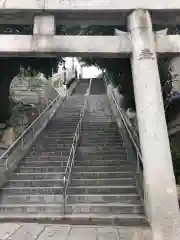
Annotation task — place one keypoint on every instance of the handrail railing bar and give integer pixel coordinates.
(72, 152)
(127, 128)
(28, 128)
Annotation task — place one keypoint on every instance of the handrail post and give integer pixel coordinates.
(64, 197)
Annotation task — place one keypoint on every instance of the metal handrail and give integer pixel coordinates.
(139, 159)
(71, 157)
(21, 137)
(126, 125)
(138, 152)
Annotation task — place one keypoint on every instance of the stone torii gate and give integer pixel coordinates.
(142, 46)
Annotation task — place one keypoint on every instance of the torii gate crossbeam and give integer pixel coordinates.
(87, 11)
(80, 46)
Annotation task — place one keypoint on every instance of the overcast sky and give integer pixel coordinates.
(88, 72)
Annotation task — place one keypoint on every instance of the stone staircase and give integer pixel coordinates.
(103, 185)
(35, 188)
(103, 182)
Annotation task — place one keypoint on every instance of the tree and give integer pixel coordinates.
(10, 67)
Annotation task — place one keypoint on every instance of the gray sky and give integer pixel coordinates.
(88, 72)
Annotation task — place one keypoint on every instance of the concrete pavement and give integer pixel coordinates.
(35, 231)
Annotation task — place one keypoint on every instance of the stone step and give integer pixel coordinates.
(79, 169)
(44, 158)
(59, 123)
(58, 135)
(57, 132)
(100, 134)
(98, 138)
(53, 145)
(122, 156)
(59, 119)
(78, 162)
(95, 127)
(39, 169)
(85, 153)
(110, 189)
(67, 115)
(101, 144)
(74, 182)
(129, 220)
(57, 199)
(48, 148)
(35, 183)
(100, 198)
(96, 149)
(109, 208)
(71, 190)
(97, 175)
(57, 140)
(105, 208)
(100, 130)
(66, 123)
(62, 138)
(102, 140)
(62, 128)
(42, 163)
(28, 199)
(102, 168)
(103, 163)
(36, 176)
(32, 190)
(50, 153)
(100, 124)
(75, 175)
(103, 182)
(31, 208)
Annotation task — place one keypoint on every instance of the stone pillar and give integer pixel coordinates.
(44, 25)
(159, 181)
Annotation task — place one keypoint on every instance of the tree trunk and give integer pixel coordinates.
(5, 108)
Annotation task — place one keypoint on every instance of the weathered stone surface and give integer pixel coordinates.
(109, 46)
(7, 229)
(92, 4)
(24, 4)
(55, 232)
(44, 25)
(104, 46)
(28, 231)
(34, 231)
(81, 233)
(87, 11)
(105, 233)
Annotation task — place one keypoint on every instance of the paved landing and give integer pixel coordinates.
(35, 231)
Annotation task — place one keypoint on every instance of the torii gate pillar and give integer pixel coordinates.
(159, 181)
